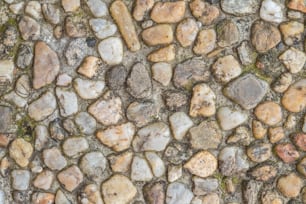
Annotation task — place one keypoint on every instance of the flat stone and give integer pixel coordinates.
(207, 135)
(153, 137)
(264, 173)
(271, 11)
(190, 72)
(14, 98)
(44, 180)
(121, 162)
(162, 72)
(123, 19)
(269, 113)
(204, 186)
(290, 185)
(186, 32)
(180, 124)
(293, 60)
(229, 119)
(204, 12)
(294, 98)
(141, 8)
(88, 89)
(298, 5)
(86, 123)
(29, 28)
(102, 28)
(70, 178)
(240, 7)
(276, 134)
(155, 192)
(178, 193)
(259, 152)
(51, 13)
(24, 56)
(54, 159)
(140, 170)
(156, 163)
(158, 35)
(247, 91)
(292, 32)
(164, 54)
(139, 83)
(206, 42)
(287, 152)
(93, 165)
(202, 164)
(71, 5)
(265, 36)
(232, 160)
(168, 12)
(228, 33)
(6, 117)
(118, 189)
(63, 80)
(119, 137)
(20, 179)
(91, 194)
(46, 65)
(97, 7)
(60, 197)
(111, 50)
(226, 68)
(107, 110)
(21, 151)
(89, 66)
(75, 146)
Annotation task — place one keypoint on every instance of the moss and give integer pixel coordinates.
(253, 69)
(25, 127)
(221, 180)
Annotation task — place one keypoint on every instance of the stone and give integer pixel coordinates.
(228, 33)
(142, 113)
(75, 26)
(246, 54)
(123, 19)
(141, 8)
(107, 110)
(304, 125)
(22, 87)
(204, 186)
(186, 32)
(14, 98)
(118, 138)
(287, 152)
(158, 35)
(290, 185)
(264, 173)
(241, 136)
(276, 134)
(118, 189)
(271, 10)
(75, 146)
(301, 166)
(4, 166)
(16, 7)
(29, 28)
(264, 36)
(89, 66)
(293, 60)
(68, 102)
(102, 28)
(93, 164)
(202, 164)
(153, 137)
(121, 162)
(111, 50)
(51, 13)
(71, 5)
(44, 180)
(229, 118)
(97, 7)
(259, 152)
(232, 160)
(6, 117)
(177, 153)
(154, 193)
(46, 65)
(58, 31)
(21, 151)
(4, 140)
(56, 129)
(206, 42)
(211, 198)
(175, 100)
(2, 197)
(174, 172)
(290, 121)
(156, 163)
(271, 197)
(41, 198)
(291, 32)
(240, 7)
(168, 12)
(88, 89)
(226, 68)
(246, 90)
(116, 77)
(139, 83)
(178, 193)
(269, 113)
(54, 159)
(63, 80)
(91, 194)
(299, 140)
(86, 123)
(204, 12)
(250, 191)
(140, 170)
(190, 72)
(283, 82)
(293, 99)
(24, 56)
(298, 5)
(60, 197)
(180, 124)
(70, 178)
(207, 135)
(164, 54)
(6, 71)
(20, 179)
(162, 72)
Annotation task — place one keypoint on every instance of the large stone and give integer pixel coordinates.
(247, 91)
(186, 32)
(68, 102)
(20, 179)
(228, 33)
(46, 65)
(71, 5)
(21, 151)
(91, 194)
(97, 7)
(158, 35)
(164, 54)
(88, 89)
(290, 185)
(229, 119)
(240, 7)
(111, 50)
(168, 12)
(180, 124)
(29, 28)
(293, 59)
(269, 113)
(271, 10)
(70, 178)
(93, 165)
(226, 68)
(178, 193)
(206, 42)
(142, 113)
(294, 99)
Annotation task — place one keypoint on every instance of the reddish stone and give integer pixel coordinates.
(300, 140)
(287, 152)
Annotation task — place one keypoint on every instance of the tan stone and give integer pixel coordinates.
(123, 19)
(42, 198)
(293, 59)
(298, 5)
(290, 185)
(168, 12)
(92, 195)
(141, 8)
(276, 134)
(4, 140)
(269, 113)
(226, 68)
(71, 5)
(21, 151)
(294, 99)
(204, 12)
(259, 130)
(292, 31)
(186, 31)
(158, 35)
(164, 54)
(206, 42)
(89, 66)
(70, 178)
(121, 162)
(44, 180)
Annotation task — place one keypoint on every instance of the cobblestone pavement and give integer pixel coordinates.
(148, 101)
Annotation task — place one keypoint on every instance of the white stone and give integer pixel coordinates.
(33, 9)
(93, 164)
(20, 179)
(162, 72)
(229, 119)
(140, 170)
(293, 59)
(6, 71)
(271, 10)
(102, 28)
(68, 102)
(88, 89)
(15, 99)
(156, 163)
(178, 193)
(180, 124)
(75, 146)
(97, 7)
(86, 123)
(111, 50)
(17, 7)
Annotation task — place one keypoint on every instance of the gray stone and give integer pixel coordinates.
(239, 7)
(41, 137)
(111, 50)
(75, 51)
(271, 10)
(93, 165)
(156, 163)
(56, 129)
(88, 89)
(24, 56)
(5, 118)
(68, 101)
(142, 113)
(17, 7)
(97, 7)
(204, 186)
(247, 90)
(20, 179)
(86, 123)
(140, 170)
(22, 87)
(60, 198)
(54, 159)
(228, 33)
(14, 98)
(178, 193)
(51, 13)
(102, 28)
(2, 197)
(75, 146)
(116, 77)
(29, 28)
(229, 119)
(180, 124)
(6, 71)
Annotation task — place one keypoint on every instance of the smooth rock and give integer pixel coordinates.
(158, 35)
(204, 12)
(141, 8)
(259, 152)
(75, 146)
(228, 33)
(51, 13)
(287, 152)
(178, 193)
(291, 32)
(70, 5)
(240, 7)
(293, 60)
(70, 178)
(229, 119)
(41, 137)
(89, 66)
(269, 113)
(20, 179)
(116, 77)
(102, 28)
(22, 87)
(290, 185)
(68, 102)
(226, 68)
(206, 42)
(44, 180)
(271, 10)
(186, 32)
(88, 89)
(156, 163)
(140, 170)
(97, 7)
(264, 173)
(21, 151)
(29, 28)
(42, 107)
(276, 134)
(6, 117)
(164, 54)
(14, 98)
(86, 123)
(54, 159)
(294, 98)
(93, 165)
(162, 72)
(63, 80)
(180, 124)
(111, 50)
(168, 12)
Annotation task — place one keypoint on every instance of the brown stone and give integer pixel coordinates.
(89, 66)
(70, 178)
(269, 113)
(4, 140)
(164, 54)
(226, 68)
(298, 5)
(300, 141)
(292, 31)
(158, 35)
(287, 152)
(44, 180)
(206, 42)
(21, 151)
(204, 12)
(259, 130)
(186, 31)
(46, 65)
(264, 173)
(168, 12)
(290, 185)
(294, 99)
(70, 5)
(276, 134)
(121, 162)
(141, 8)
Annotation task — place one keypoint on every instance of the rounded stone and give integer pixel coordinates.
(269, 113)
(294, 99)
(21, 151)
(290, 185)
(111, 50)
(259, 152)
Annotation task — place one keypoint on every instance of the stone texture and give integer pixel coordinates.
(20, 179)
(44, 180)
(164, 54)
(298, 5)
(206, 42)
(291, 32)
(158, 35)
(180, 124)
(70, 178)
(91, 194)
(89, 66)
(168, 12)
(156, 163)
(6, 117)
(259, 152)
(67, 101)
(293, 59)
(271, 11)
(264, 173)
(54, 159)
(204, 186)
(75, 146)
(269, 113)
(282, 84)
(141, 9)
(142, 113)
(102, 28)
(97, 7)
(71, 5)
(290, 185)
(226, 68)
(88, 89)
(121, 162)
(240, 7)
(51, 13)
(186, 32)
(162, 72)
(178, 193)
(25, 56)
(293, 99)
(299, 140)
(21, 151)
(140, 170)
(287, 152)
(155, 192)
(29, 28)
(93, 164)
(86, 123)
(204, 12)
(111, 50)
(229, 119)
(228, 33)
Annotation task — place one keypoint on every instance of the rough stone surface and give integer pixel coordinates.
(140, 170)
(290, 185)
(158, 35)
(293, 99)
(187, 31)
(68, 102)
(229, 119)
(204, 12)
(206, 42)
(54, 159)
(21, 151)
(239, 7)
(180, 124)
(75, 146)
(93, 164)
(70, 178)
(293, 59)
(168, 12)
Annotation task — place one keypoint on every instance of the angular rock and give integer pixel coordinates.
(156, 163)
(241, 136)
(186, 32)
(68, 102)
(240, 7)
(291, 32)
(226, 68)
(293, 59)
(269, 113)
(116, 77)
(271, 197)
(88, 89)
(21, 151)
(155, 192)
(93, 165)
(206, 42)
(111, 50)
(158, 35)
(204, 12)
(97, 7)
(271, 11)
(287, 152)
(121, 162)
(56, 129)
(71, 5)
(51, 13)
(20, 179)
(54, 159)
(89, 66)
(246, 54)
(86, 123)
(75, 146)
(283, 82)
(102, 28)
(259, 152)
(180, 124)
(44, 180)
(294, 98)
(290, 185)
(229, 119)
(140, 170)
(228, 33)
(168, 12)
(142, 113)
(178, 193)
(164, 54)
(276, 134)
(70, 178)
(29, 28)
(162, 72)
(75, 26)
(141, 8)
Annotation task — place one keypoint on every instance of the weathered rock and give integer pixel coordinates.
(63, 80)
(204, 186)
(21, 151)
(186, 32)
(6, 117)
(250, 191)
(298, 5)
(228, 33)
(60, 197)
(44, 180)
(71, 5)
(291, 32)
(282, 84)
(51, 13)
(206, 42)
(22, 87)
(180, 124)
(20, 179)
(211, 198)
(75, 146)
(86, 123)
(56, 130)
(46, 65)
(140, 170)
(141, 8)
(269, 113)
(226, 68)
(29, 28)
(75, 26)
(287, 152)
(241, 136)
(162, 72)
(168, 12)
(301, 167)
(7, 71)
(246, 54)
(91, 194)
(89, 66)
(174, 172)
(111, 50)
(97, 7)
(204, 12)
(175, 100)
(290, 185)
(164, 54)
(88, 89)
(276, 134)
(116, 77)
(14, 98)
(240, 7)
(293, 59)
(264, 173)
(121, 162)
(293, 99)
(158, 35)
(142, 113)
(70, 178)
(270, 197)
(271, 10)
(259, 152)
(93, 165)
(299, 140)
(24, 56)
(155, 192)
(229, 119)
(16, 7)
(54, 159)
(123, 18)
(102, 28)
(156, 163)
(68, 102)
(178, 193)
